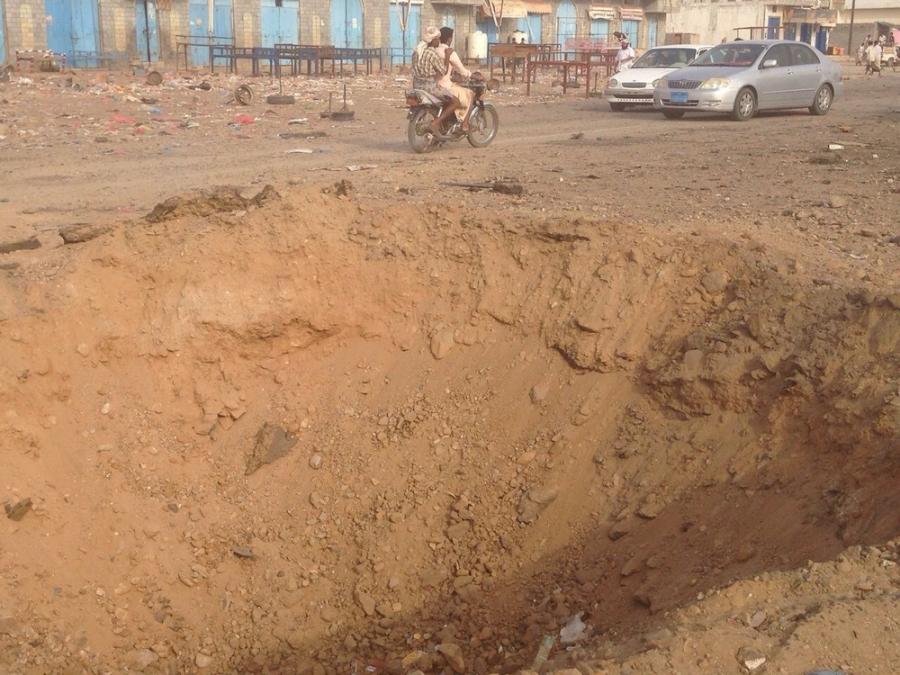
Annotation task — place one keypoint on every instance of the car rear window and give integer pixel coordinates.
(802, 55)
(666, 58)
(734, 54)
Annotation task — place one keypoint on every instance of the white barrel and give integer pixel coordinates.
(477, 46)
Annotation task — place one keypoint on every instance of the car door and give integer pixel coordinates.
(807, 73)
(774, 80)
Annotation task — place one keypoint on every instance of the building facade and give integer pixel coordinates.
(810, 21)
(98, 32)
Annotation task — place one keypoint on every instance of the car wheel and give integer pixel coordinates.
(673, 114)
(617, 107)
(744, 105)
(822, 102)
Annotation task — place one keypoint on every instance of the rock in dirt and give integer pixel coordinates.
(315, 461)
(539, 392)
(272, 442)
(142, 658)
(203, 661)
(442, 342)
(18, 510)
(19, 245)
(365, 601)
(715, 282)
(78, 233)
(221, 199)
(751, 659)
(453, 655)
(837, 201)
(244, 552)
(535, 501)
(619, 530)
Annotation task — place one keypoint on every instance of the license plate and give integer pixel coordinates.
(679, 97)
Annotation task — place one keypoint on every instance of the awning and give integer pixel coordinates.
(631, 14)
(599, 12)
(538, 7)
(461, 3)
(512, 9)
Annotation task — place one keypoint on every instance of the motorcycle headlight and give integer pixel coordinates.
(715, 83)
(614, 82)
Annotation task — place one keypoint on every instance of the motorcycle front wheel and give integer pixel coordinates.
(419, 130)
(483, 125)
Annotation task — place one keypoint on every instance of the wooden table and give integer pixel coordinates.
(578, 66)
(516, 52)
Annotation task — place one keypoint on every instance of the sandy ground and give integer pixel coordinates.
(345, 420)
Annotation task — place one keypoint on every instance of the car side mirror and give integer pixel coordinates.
(769, 63)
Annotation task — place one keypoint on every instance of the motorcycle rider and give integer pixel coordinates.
(461, 94)
(429, 69)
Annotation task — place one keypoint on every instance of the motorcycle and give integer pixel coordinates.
(424, 108)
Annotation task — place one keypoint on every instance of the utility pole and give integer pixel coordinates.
(850, 50)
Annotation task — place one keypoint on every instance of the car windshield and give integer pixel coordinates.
(734, 55)
(666, 58)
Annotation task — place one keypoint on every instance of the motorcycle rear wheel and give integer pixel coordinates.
(421, 139)
(483, 125)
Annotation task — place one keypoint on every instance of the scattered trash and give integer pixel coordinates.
(243, 552)
(543, 653)
(361, 167)
(118, 118)
(154, 78)
(499, 186)
(244, 119)
(573, 631)
(302, 134)
(280, 99)
(243, 95)
(203, 86)
(752, 659)
(18, 510)
(298, 120)
(835, 146)
(149, 101)
(300, 151)
(577, 137)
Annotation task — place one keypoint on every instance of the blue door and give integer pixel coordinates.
(822, 39)
(404, 41)
(146, 27)
(532, 26)
(806, 32)
(565, 23)
(790, 31)
(488, 28)
(280, 22)
(72, 30)
(630, 28)
(346, 23)
(774, 24)
(198, 15)
(652, 31)
(2, 42)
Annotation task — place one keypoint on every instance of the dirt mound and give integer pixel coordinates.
(335, 435)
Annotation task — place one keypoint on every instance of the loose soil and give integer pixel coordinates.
(334, 421)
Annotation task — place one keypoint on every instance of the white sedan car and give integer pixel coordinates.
(634, 86)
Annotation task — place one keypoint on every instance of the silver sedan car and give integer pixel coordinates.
(743, 77)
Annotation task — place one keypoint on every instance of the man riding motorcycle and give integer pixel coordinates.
(429, 70)
(463, 95)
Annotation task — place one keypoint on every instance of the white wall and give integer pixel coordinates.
(713, 21)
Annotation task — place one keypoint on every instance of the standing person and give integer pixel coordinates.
(462, 94)
(873, 58)
(624, 57)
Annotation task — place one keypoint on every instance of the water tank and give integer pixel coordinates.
(477, 46)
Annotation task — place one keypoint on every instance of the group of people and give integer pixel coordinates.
(871, 52)
(434, 62)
